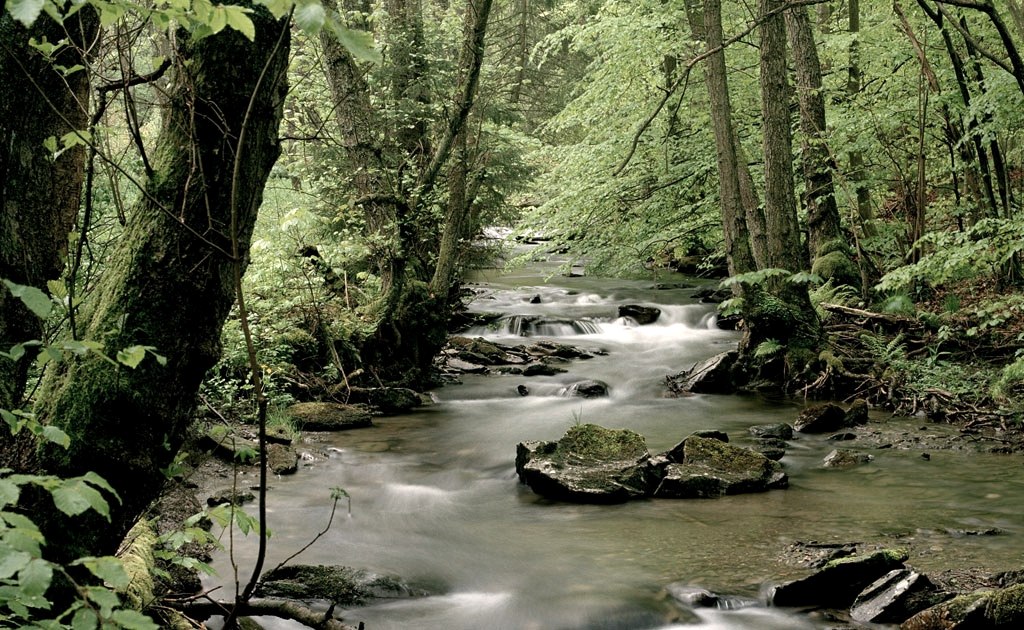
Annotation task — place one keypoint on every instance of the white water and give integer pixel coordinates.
(436, 500)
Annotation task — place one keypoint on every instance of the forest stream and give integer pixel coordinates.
(436, 500)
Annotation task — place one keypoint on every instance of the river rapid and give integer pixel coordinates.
(435, 498)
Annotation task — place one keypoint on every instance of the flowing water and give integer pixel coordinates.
(435, 498)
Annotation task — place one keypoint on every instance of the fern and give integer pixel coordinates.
(829, 293)
(886, 351)
(767, 348)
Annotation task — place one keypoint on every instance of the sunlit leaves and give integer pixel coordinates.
(310, 16)
(25, 11)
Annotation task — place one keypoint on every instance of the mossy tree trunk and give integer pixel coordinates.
(396, 174)
(39, 194)
(778, 311)
(170, 282)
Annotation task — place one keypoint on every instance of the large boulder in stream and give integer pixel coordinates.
(642, 315)
(386, 400)
(328, 416)
(1002, 608)
(838, 583)
(589, 464)
(831, 417)
(711, 376)
(703, 467)
(896, 596)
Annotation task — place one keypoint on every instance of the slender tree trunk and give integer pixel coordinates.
(854, 78)
(823, 224)
(170, 282)
(706, 24)
(39, 194)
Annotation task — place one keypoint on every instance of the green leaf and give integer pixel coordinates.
(133, 620)
(25, 11)
(35, 578)
(359, 43)
(100, 482)
(238, 20)
(277, 8)
(74, 496)
(12, 561)
(310, 16)
(131, 356)
(107, 568)
(10, 419)
(56, 436)
(50, 144)
(105, 598)
(218, 20)
(84, 619)
(9, 493)
(36, 301)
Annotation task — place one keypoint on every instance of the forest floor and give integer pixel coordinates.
(946, 362)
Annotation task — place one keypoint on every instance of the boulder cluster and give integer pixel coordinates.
(592, 464)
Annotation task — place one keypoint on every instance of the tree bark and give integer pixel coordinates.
(170, 282)
(39, 194)
(706, 24)
(823, 225)
(778, 310)
(853, 86)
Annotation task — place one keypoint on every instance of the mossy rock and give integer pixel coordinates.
(838, 267)
(328, 416)
(590, 464)
(706, 467)
(590, 442)
(340, 585)
(838, 583)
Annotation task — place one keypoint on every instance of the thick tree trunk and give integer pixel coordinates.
(39, 194)
(170, 282)
(780, 310)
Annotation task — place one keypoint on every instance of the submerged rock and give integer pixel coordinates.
(587, 389)
(642, 315)
(589, 464)
(328, 416)
(779, 430)
(340, 585)
(845, 458)
(702, 467)
(838, 583)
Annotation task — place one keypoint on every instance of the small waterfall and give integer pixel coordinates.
(535, 326)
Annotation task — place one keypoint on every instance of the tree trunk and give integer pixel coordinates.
(170, 282)
(779, 310)
(708, 27)
(39, 194)
(823, 225)
(853, 86)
